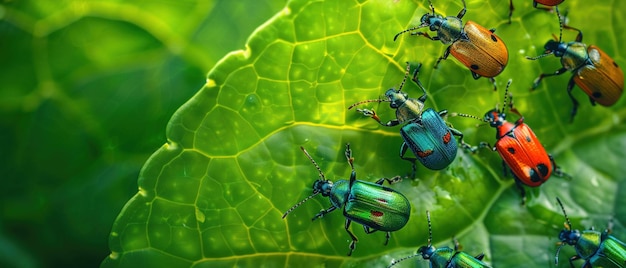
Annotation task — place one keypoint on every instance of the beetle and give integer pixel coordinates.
(519, 148)
(445, 257)
(426, 133)
(479, 49)
(594, 71)
(598, 249)
(550, 3)
(376, 207)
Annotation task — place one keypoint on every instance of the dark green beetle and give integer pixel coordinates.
(376, 207)
(445, 257)
(598, 249)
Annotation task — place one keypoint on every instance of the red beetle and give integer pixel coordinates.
(479, 49)
(549, 3)
(520, 149)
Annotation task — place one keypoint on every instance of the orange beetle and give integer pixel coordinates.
(479, 49)
(594, 71)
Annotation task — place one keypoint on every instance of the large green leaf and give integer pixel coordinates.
(214, 194)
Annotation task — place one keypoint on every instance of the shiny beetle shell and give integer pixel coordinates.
(483, 52)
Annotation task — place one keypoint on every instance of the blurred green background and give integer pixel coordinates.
(87, 89)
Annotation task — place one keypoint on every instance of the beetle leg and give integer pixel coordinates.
(462, 12)
(573, 258)
(368, 230)
(403, 149)
(476, 76)
(387, 238)
(557, 171)
(457, 245)
(425, 34)
(579, 36)
(480, 256)
(323, 212)
(570, 86)
(393, 180)
(419, 84)
(465, 146)
(541, 76)
(484, 144)
(354, 239)
(443, 57)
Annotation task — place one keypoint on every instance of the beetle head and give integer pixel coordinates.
(323, 187)
(569, 236)
(426, 251)
(495, 118)
(555, 47)
(396, 97)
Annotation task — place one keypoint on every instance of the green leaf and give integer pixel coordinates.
(214, 194)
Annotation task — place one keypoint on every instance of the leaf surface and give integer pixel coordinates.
(214, 194)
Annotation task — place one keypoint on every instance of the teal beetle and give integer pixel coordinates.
(445, 257)
(376, 207)
(425, 132)
(598, 249)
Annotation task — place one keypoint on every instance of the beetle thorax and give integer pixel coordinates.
(588, 243)
(322, 186)
(574, 55)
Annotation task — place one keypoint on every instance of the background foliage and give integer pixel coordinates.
(88, 87)
(214, 193)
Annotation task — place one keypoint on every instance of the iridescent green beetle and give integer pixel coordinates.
(598, 249)
(445, 257)
(376, 207)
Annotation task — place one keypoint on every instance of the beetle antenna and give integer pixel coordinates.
(558, 15)
(569, 224)
(402, 259)
(468, 116)
(367, 101)
(558, 250)
(430, 229)
(322, 177)
(406, 74)
(540, 56)
(506, 94)
(405, 31)
(299, 203)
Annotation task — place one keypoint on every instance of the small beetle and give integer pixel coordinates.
(426, 133)
(376, 207)
(445, 257)
(479, 49)
(519, 148)
(594, 71)
(598, 249)
(549, 3)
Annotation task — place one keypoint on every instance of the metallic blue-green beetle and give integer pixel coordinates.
(598, 249)
(376, 207)
(445, 257)
(426, 133)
